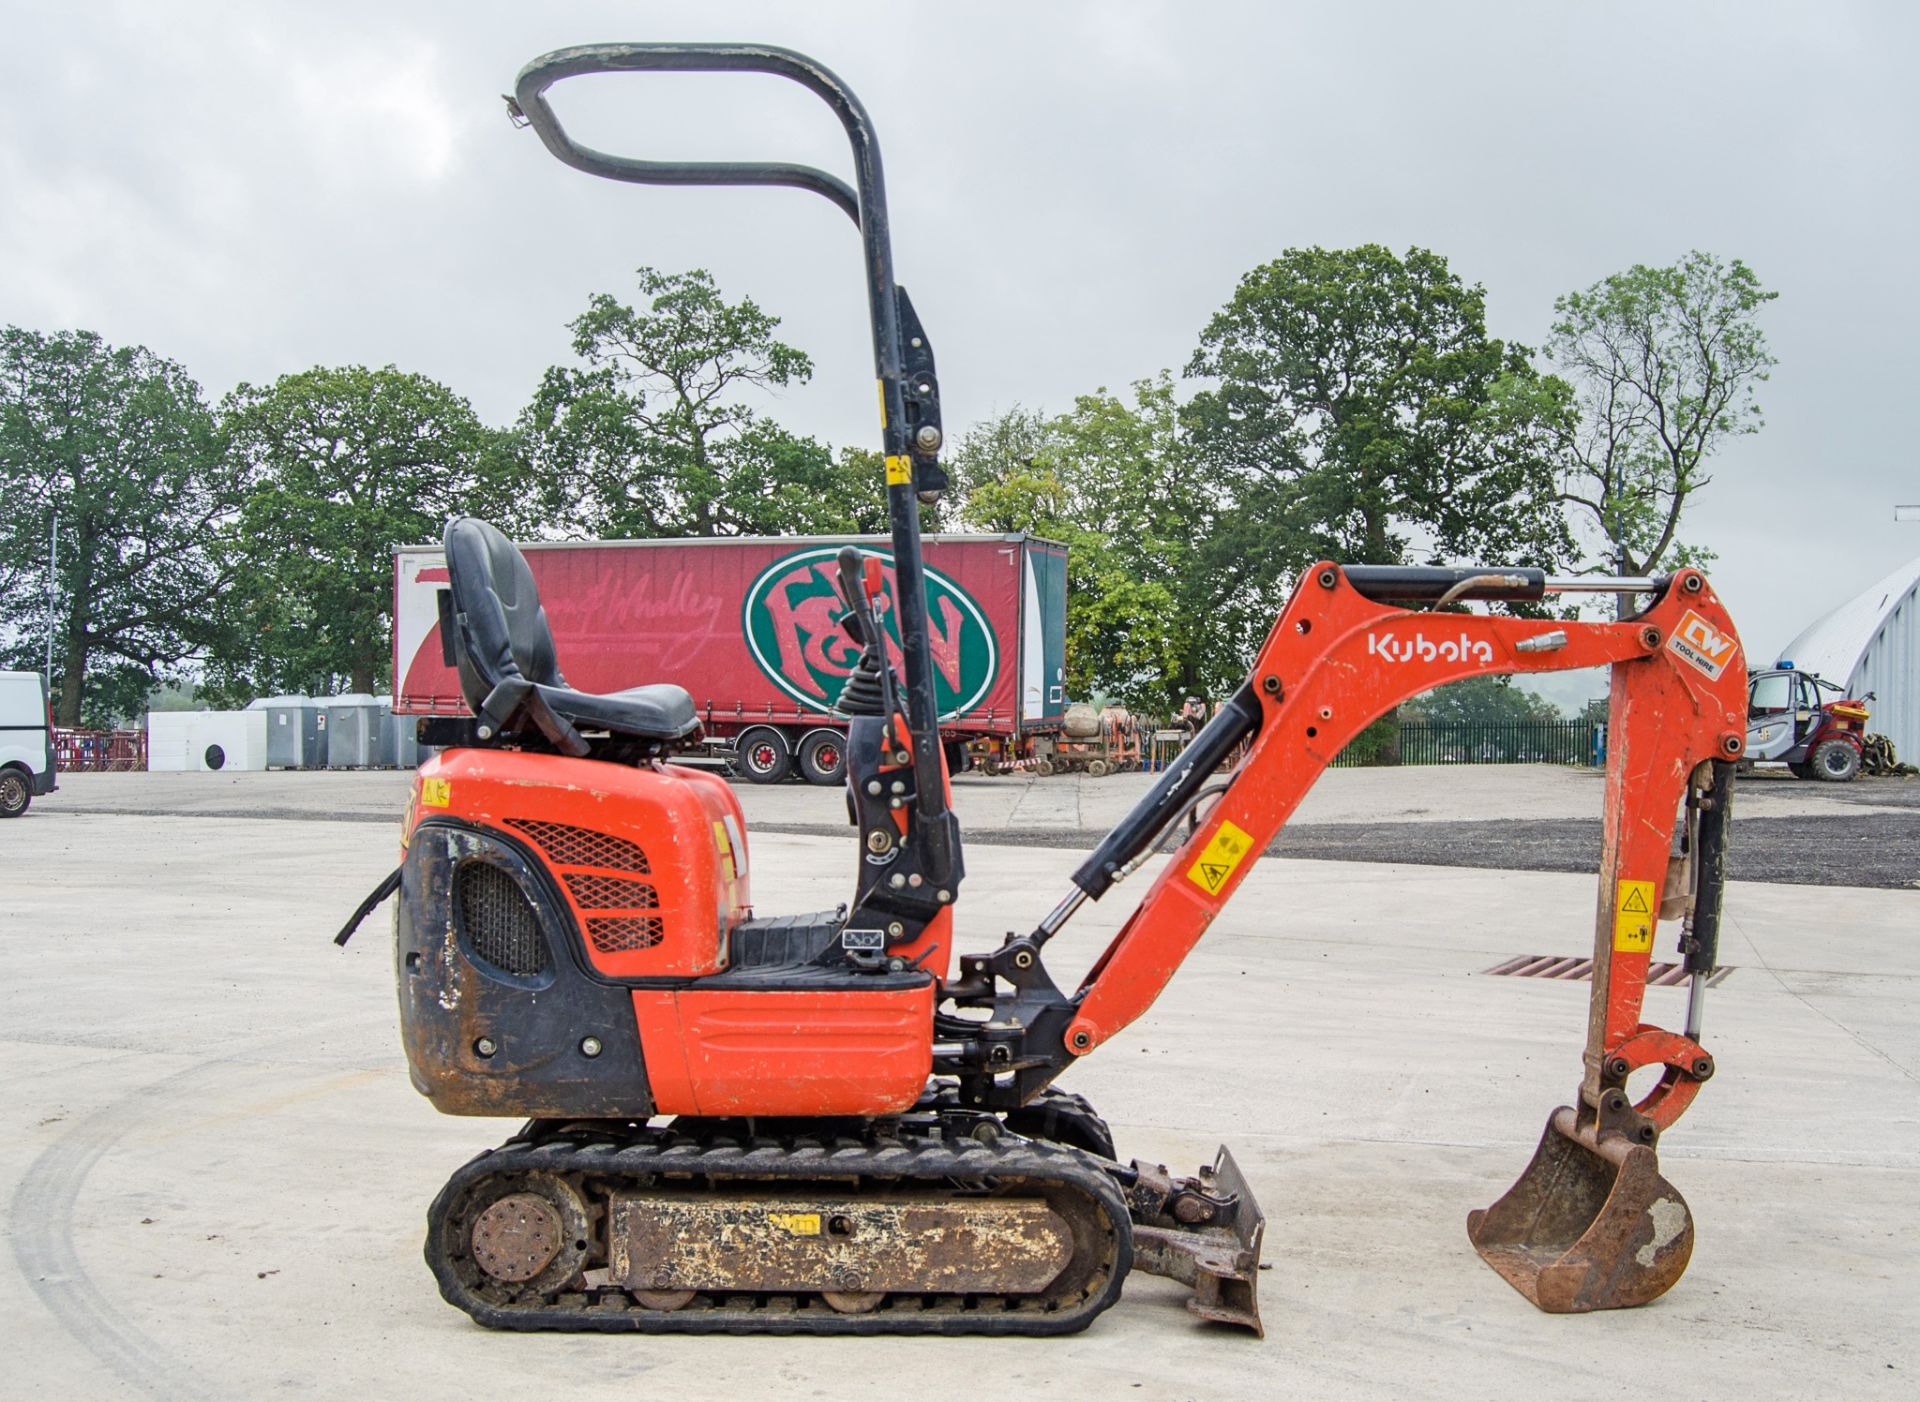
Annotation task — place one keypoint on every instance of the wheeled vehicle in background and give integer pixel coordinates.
(1806, 723)
(26, 742)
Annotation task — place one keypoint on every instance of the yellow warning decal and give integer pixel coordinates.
(899, 470)
(436, 793)
(1633, 918)
(726, 850)
(881, 385)
(795, 1223)
(1225, 852)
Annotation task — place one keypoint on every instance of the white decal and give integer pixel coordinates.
(1421, 648)
(1700, 643)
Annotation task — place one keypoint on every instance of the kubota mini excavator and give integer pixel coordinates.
(824, 1123)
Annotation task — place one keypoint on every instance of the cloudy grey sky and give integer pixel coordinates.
(252, 189)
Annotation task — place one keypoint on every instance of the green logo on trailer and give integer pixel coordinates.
(790, 624)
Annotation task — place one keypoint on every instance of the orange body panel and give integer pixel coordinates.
(653, 862)
(756, 1052)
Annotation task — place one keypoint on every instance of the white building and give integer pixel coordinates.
(1872, 643)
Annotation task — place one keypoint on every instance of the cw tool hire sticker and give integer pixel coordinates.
(1229, 846)
(1699, 642)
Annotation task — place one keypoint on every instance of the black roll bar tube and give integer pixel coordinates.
(866, 204)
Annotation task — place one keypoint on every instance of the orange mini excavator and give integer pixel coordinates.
(828, 1123)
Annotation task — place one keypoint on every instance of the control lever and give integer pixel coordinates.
(862, 581)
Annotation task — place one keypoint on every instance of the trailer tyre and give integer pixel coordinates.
(823, 757)
(1835, 760)
(1096, 769)
(16, 793)
(763, 755)
(959, 757)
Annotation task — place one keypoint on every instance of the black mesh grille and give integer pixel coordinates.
(499, 923)
(592, 892)
(612, 934)
(569, 846)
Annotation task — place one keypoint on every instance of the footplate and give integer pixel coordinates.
(1591, 1225)
(1217, 1255)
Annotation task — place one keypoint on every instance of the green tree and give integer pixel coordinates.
(119, 442)
(1667, 362)
(649, 436)
(346, 464)
(1359, 411)
(1103, 479)
(1483, 701)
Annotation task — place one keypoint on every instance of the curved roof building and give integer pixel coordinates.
(1872, 643)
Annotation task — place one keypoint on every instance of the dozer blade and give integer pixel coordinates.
(1591, 1224)
(1220, 1261)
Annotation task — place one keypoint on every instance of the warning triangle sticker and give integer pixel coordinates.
(1215, 874)
(1635, 903)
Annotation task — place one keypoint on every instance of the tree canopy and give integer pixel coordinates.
(650, 436)
(343, 465)
(1667, 362)
(120, 444)
(1350, 404)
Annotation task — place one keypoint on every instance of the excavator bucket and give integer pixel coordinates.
(1591, 1224)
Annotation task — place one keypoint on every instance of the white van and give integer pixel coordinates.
(26, 742)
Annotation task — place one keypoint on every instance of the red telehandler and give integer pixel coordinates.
(828, 1123)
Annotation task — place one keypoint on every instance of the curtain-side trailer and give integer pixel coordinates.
(748, 626)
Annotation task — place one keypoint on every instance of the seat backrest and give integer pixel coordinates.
(500, 629)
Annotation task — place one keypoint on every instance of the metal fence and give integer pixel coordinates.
(1499, 742)
(82, 751)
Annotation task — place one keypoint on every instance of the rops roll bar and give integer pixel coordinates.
(902, 357)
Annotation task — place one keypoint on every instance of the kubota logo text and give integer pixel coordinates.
(1421, 648)
(790, 623)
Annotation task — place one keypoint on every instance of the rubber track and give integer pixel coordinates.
(938, 1162)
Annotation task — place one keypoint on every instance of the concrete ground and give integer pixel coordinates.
(216, 1173)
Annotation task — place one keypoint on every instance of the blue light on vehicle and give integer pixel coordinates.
(1784, 665)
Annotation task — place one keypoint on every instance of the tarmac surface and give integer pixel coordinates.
(216, 1173)
(1502, 817)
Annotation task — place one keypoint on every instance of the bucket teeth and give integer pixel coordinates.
(1220, 1260)
(1590, 1225)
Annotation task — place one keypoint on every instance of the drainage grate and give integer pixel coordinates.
(1581, 970)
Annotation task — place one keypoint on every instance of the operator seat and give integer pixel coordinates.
(504, 653)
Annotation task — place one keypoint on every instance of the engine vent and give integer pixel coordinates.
(614, 934)
(591, 891)
(498, 921)
(569, 846)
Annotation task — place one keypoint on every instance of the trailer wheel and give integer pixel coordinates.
(823, 757)
(959, 757)
(1044, 768)
(1835, 760)
(1096, 769)
(15, 793)
(763, 755)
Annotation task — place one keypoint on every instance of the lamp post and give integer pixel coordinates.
(53, 553)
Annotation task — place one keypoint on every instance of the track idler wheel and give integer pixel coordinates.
(1591, 1224)
(533, 1236)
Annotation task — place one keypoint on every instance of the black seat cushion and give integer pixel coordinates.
(659, 712)
(504, 653)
